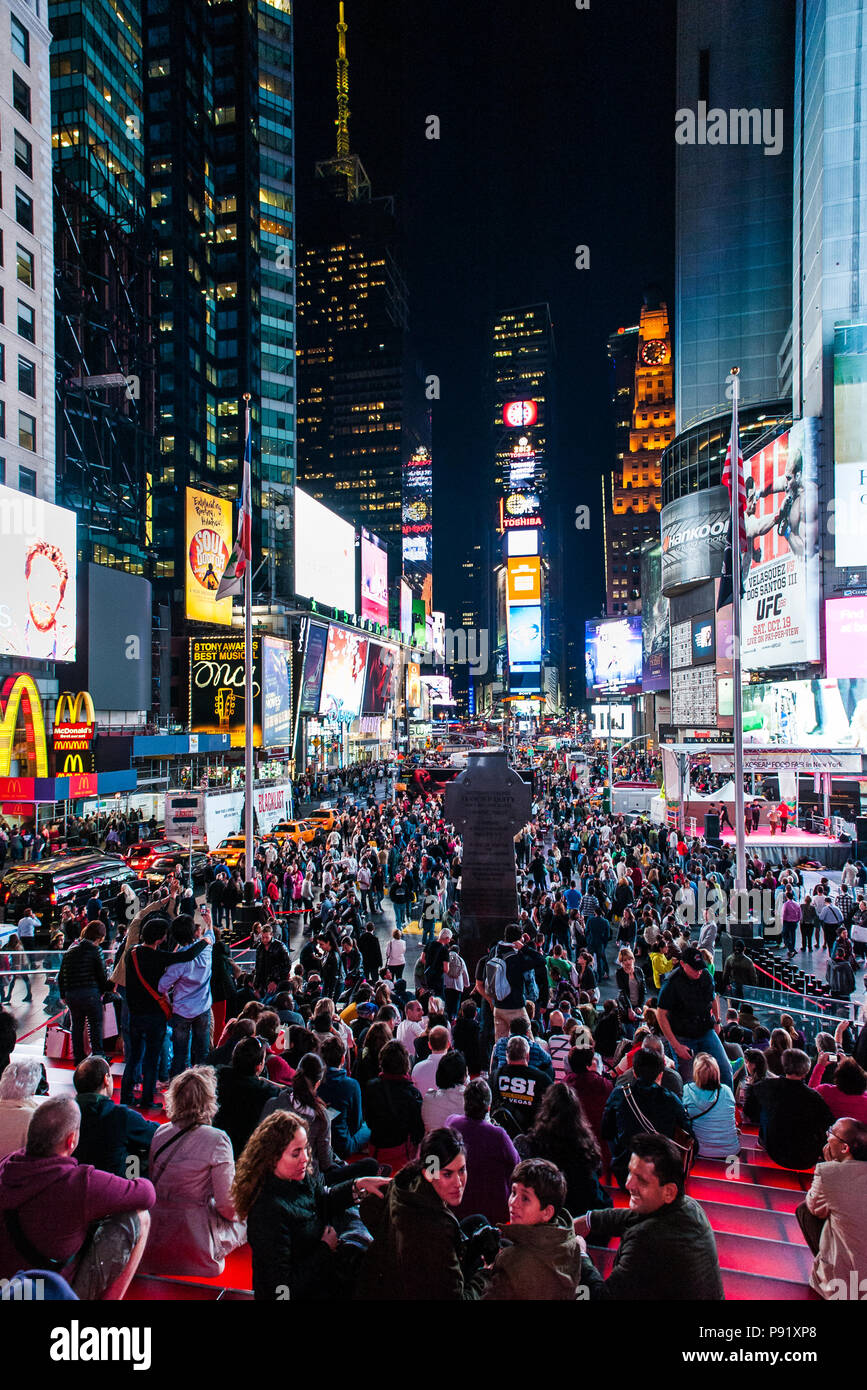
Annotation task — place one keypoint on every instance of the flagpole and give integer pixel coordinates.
(737, 701)
(248, 696)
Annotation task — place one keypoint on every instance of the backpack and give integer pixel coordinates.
(496, 979)
(455, 968)
(531, 985)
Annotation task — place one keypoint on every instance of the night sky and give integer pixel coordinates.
(557, 129)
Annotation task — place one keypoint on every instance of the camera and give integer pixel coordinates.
(482, 1247)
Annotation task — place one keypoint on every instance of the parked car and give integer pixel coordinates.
(324, 818)
(163, 866)
(46, 888)
(142, 854)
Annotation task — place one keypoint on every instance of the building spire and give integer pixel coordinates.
(342, 121)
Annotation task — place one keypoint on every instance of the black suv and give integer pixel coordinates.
(46, 888)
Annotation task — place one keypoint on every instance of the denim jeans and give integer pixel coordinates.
(85, 1006)
(709, 1042)
(146, 1034)
(399, 914)
(191, 1041)
(428, 926)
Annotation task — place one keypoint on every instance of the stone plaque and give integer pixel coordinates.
(488, 804)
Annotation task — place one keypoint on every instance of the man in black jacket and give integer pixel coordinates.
(371, 952)
(242, 1092)
(110, 1134)
(667, 1247)
(792, 1119)
(520, 958)
(622, 1117)
(272, 961)
(145, 966)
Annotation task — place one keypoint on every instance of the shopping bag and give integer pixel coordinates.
(58, 1044)
(110, 1027)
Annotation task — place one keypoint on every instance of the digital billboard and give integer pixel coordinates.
(374, 578)
(413, 685)
(417, 514)
(517, 413)
(525, 634)
(702, 638)
(217, 687)
(438, 635)
(522, 542)
(120, 635)
(694, 531)
(276, 692)
(850, 444)
(379, 681)
(405, 610)
(780, 572)
(807, 713)
(439, 689)
(524, 580)
(314, 664)
(846, 637)
(419, 622)
(343, 674)
(612, 655)
(209, 545)
(37, 578)
(654, 621)
(324, 554)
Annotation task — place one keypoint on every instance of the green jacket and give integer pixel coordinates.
(670, 1254)
(537, 1263)
(417, 1245)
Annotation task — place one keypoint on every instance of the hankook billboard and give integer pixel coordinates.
(693, 539)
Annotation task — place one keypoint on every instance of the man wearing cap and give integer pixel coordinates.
(688, 1013)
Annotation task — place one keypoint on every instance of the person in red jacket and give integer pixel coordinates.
(56, 1213)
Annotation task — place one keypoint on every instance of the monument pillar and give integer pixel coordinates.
(488, 803)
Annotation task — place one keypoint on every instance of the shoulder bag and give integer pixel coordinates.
(681, 1138)
(164, 1004)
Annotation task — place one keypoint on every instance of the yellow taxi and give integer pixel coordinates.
(230, 851)
(296, 830)
(324, 818)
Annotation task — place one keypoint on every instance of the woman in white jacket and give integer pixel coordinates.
(395, 954)
(194, 1225)
(18, 1102)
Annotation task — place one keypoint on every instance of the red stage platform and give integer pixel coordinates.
(795, 844)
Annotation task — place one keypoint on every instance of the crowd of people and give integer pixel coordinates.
(385, 1120)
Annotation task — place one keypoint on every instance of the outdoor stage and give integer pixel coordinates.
(795, 844)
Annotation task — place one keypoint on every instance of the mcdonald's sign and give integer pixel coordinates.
(73, 735)
(15, 689)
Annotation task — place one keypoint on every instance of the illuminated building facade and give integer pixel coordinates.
(632, 495)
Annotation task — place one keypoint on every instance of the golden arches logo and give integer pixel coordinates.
(73, 766)
(74, 703)
(15, 689)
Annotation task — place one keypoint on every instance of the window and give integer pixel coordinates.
(2, 362)
(23, 155)
(20, 41)
(25, 266)
(27, 431)
(26, 322)
(27, 481)
(21, 96)
(23, 210)
(2, 470)
(159, 67)
(2, 419)
(27, 377)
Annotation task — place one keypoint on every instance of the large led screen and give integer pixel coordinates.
(209, 545)
(849, 515)
(374, 578)
(780, 571)
(37, 578)
(807, 714)
(314, 664)
(524, 580)
(217, 690)
(343, 675)
(405, 610)
(654, 621)
(612, 655)
(324, 555)
(525, 634)
(379, 681)
(276, 692)
(439, 689)
(846, 637)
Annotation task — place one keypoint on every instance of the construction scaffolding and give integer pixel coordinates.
(106, 358)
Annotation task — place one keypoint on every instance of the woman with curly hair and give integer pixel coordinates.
(291, 1216)
(561, 1135)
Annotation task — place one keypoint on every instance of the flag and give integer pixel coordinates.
(734, 448)
(233, 575)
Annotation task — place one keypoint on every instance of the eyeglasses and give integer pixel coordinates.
(829, 1134)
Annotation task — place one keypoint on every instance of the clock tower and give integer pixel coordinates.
(634, 491)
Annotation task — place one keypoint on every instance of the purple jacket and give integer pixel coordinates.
(56, 1200)
(491, 1158)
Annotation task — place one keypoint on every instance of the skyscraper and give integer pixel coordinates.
(732, 301)
(103, 286)
(363, 423)
(27, 415)
(220, 184)
(527, 560)
(633, 497)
